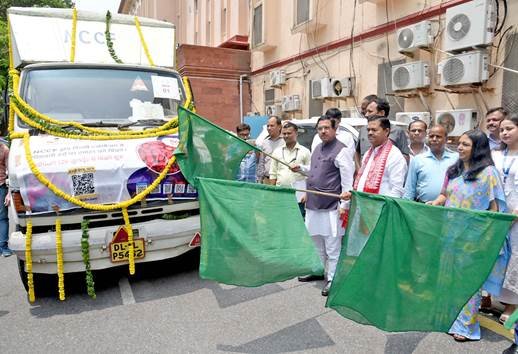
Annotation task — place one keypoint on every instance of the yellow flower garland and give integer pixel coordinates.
(99, 207)
(28, 260)
(73, 35)
(33, 124)
(19, 100)
(131, 249)
(59, 260)
(143, 42)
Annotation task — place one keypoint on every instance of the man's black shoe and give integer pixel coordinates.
(311, 278)
(513, 349)
(325, 291)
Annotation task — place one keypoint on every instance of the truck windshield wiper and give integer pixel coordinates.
(101, 124)
(151, 122)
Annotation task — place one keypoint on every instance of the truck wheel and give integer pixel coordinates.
(23, 274)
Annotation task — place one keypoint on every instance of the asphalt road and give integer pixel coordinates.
(167, 308)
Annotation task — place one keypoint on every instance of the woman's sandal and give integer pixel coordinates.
(459, 338)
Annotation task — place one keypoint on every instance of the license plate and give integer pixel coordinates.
(119, 251)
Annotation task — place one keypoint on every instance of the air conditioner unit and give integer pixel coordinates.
(464, 68)
(342, 87)
(291, 103)
(321, 88)
(277, 78)
(409, 117)
(351, 112)
(469, 25)
(457, 121)
(272, 110)
(410, 76)
(413, 37)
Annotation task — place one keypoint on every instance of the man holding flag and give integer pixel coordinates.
(331, 171)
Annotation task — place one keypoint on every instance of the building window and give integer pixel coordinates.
(208, 34)
(257, 26)
(301, 12)
(224, 23)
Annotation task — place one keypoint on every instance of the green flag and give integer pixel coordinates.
(407, 266)
(253, 234)
(206, 150)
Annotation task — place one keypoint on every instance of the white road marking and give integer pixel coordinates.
(126, 293)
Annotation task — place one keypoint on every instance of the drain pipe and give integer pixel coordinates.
(241, 96)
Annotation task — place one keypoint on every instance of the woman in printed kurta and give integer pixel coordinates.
(473, 183)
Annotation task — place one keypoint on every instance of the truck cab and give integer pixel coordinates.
(103, 95)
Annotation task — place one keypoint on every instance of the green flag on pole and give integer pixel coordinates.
(407, 266)
(252, 234)
(206, 150)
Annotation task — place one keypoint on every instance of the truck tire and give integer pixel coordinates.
(23, 274)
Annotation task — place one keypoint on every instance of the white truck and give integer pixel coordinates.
(97, 92)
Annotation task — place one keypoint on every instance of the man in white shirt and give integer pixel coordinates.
(383, 168)
(272, 142)
(417, 134)
(294, 155)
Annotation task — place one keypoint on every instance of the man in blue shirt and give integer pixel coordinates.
(427, 170)
(247, 168)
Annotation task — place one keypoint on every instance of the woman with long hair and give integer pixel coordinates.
(473, 182)
(506, 162)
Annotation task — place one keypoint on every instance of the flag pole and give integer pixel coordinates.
(332, 195)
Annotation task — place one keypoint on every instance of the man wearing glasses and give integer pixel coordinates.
(331, 171)
(247, 168)
(417, 134)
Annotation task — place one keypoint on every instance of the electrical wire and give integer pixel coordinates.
(352, 70)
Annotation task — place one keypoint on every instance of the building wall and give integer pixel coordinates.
(198, 22)
(287, 49)
(214, 74)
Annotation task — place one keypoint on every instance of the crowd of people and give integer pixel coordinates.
(415, 165)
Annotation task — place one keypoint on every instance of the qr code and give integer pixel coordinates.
(140, 187)
(156, 190)
(179, 188)
(83, 184)
(167, 188)
(190, 189)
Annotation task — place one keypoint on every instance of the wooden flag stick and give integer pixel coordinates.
(319, 193)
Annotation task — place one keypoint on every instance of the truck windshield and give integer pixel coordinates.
(100, 95)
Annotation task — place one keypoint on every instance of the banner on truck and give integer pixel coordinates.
(99, 172)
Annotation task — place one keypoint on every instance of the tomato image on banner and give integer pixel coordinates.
(155, 154)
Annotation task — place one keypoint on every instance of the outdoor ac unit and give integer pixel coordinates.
(457, 121)
(409, 117)
(469, 25)
(320, 89)
(413, 37)
(277, 78)
(464, 68)
(273, 110)
(291, 103)
(410, 76)
(342, 87)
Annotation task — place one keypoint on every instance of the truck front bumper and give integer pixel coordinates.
(163, 239)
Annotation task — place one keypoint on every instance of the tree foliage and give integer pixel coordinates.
(4, 49)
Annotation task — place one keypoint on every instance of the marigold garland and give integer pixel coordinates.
(143, 42)
(73, 35)
(28, 260)
(59, 260)
(57, 131)
(34, 114)
(85, 251)
(131, 248)
(109, 42)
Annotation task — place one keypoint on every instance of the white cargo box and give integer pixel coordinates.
(44, 35)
